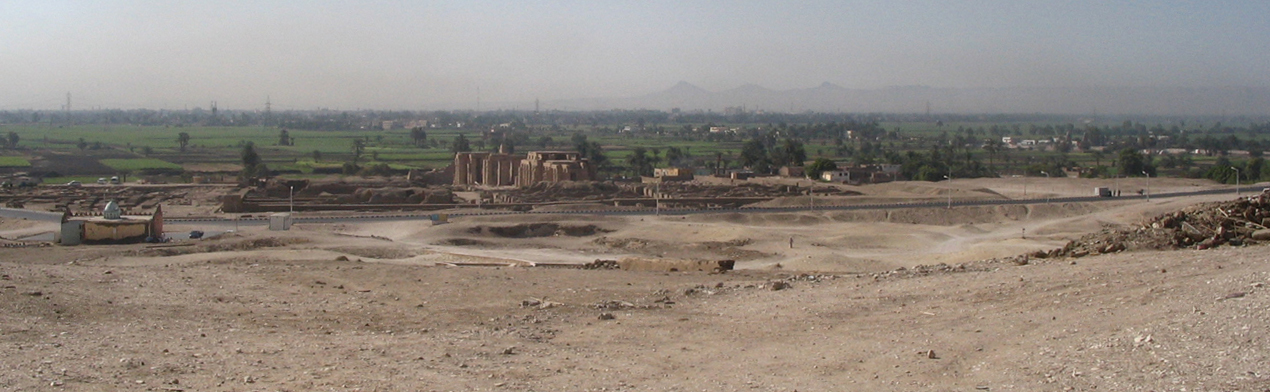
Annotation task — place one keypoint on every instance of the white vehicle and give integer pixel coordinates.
(114, 180)
(74, 184)
(101, 180)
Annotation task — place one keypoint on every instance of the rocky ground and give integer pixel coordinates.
(1132, 321)
(342, 307)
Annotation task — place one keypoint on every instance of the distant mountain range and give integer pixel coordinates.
(827, 97)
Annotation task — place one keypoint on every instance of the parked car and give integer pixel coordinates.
(74, 184)
(196, 234)
(101, 181)
(114, 180)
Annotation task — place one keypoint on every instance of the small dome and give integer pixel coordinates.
(112, 211)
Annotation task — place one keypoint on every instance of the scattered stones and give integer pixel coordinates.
(601, 265)
(620, 305)
(778, 285)
(613, 304)
(539, 303)
(607, 316)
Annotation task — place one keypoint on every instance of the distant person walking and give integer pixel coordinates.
(791, 242)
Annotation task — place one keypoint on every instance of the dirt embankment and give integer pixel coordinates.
(923, 216)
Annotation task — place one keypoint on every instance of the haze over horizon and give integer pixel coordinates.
(438, 55)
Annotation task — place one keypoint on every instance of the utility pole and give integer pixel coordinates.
(1144, 172)
(1047, 177)
(949, 177)
(811, 191)
(1236, 180)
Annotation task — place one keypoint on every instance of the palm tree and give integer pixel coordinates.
(992, 148)
(359, 147)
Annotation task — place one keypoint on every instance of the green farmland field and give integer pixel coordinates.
(140, 164)
(14, 162)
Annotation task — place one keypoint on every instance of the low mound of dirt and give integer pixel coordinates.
(908, 188)
(533, 230)
(731, 249)
(626, 243)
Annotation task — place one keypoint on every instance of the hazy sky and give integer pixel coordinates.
(436, 54)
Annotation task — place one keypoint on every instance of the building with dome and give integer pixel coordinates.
(112, 227)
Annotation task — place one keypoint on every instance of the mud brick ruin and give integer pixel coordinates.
(503, 169)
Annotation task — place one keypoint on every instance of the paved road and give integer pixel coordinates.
(387, 217)
(17, 213)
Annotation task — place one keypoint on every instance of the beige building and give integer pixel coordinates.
(485, 168)
(554, 166)
(662, 174)
(112, 227)
(501, 169)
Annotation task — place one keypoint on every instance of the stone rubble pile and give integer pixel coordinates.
(600, 264)
(1236, 223)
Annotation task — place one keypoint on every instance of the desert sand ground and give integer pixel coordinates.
(366, 307)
